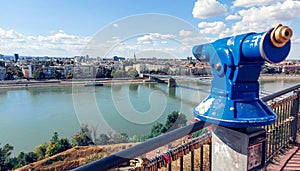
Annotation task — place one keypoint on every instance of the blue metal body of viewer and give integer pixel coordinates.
(236, 63)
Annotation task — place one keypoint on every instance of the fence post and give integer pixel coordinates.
(192, 161)
(294, 114)
(238, 149)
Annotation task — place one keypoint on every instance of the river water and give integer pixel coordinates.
(30, 116)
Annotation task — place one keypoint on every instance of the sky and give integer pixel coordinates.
(104, 28)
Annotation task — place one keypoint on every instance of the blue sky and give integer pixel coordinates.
(68, 27)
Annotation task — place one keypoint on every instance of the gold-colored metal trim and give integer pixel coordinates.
(281, 35)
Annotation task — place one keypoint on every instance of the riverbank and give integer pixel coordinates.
(16, 84)
(279, 77)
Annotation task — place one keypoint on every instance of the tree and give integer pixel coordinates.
(103, 72)
(102, 139)
(57, 145)
(54, 138)
(83, 137)
(9, 75)
(12, 72)
(5, 153)
(40, 151)
(21, 160)
(137, 138)
(119, 73)
(37, 75)
(57, 74)
(157, 129)
(25, 158)
(132, 73)
(64, 144)
(175, 120)
(120, 138)
(70, 75)
(51, 149)
(2, 63)
(19, 73)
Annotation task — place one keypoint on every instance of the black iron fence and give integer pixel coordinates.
(195, 153)
(285, 103)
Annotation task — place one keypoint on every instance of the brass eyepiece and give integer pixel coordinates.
(280, 35)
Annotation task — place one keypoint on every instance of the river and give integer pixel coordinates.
(30, 116)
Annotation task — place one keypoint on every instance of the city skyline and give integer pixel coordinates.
(64, 28)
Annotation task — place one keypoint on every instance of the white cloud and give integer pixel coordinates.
(147, 42)
(249, 3)
(132, 47)
(233, 17)
(208, 8)
(31, 38)
(116, 25)
(249, 16)
(114, 41)
(281, 11)
(296, 40)
(146, 50)
(264, 17)
(185, 33)
(10, 34)
(190, 42)
(60, 43)
(211, 27)
(153, 37)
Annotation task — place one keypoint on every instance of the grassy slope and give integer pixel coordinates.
(74, 157)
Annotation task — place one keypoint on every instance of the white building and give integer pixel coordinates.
(142, 68)
(85, 71)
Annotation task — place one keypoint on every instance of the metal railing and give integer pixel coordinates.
(284, 130)
(114, 160)
(195, 154)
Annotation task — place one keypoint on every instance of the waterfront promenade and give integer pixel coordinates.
(7, 84)
(56, 83)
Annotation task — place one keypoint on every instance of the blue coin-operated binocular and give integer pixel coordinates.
(236, 63)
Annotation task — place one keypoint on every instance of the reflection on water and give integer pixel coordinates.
(271, 86)
(116, 87)
(172, 91)
(49, 90)
(133, 87)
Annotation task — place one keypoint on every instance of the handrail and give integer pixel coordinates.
(125, 155)
(280, 93)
